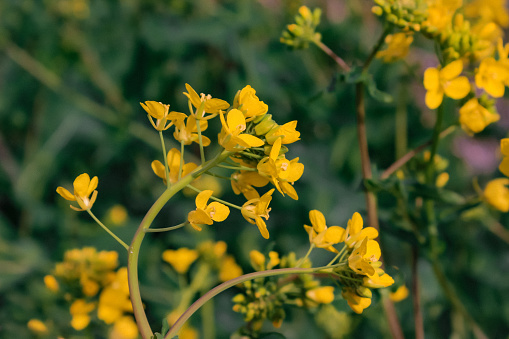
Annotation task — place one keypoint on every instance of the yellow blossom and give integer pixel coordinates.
(114, 299)
(355, 233)
(474, 117)
(257, 260)
(356, 302)
(51, 283)
(504, 148)
(322, 236)
(400, 294)
(79, 311)
(231, 136)
(446, 80)
(364, 258)
(173, 161)
(256, 209)
(492, 76)
(442, 179)
(229, 269)
(243, 182)
(187, 132)
(321, 295)
(496, 194)
(210, 105)
(488, 10)
(159, 112)
(397, 47)
(286, 132)
(250, 105)
(180, 259)
(207, 213)
(117, 214)
(83, 187)
(378, 280)
(124, 328)
(37, 326)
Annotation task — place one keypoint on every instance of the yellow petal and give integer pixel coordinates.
(199, 217)
(495, 88)
(433, 99)
(334, 235)
(220, 211)
(92, 186)
(504, 166)
(202, 198)
(251, 140)
(274, 151)
(288, 189)
(65, 194)
(81, 184)
(158, 169)
(431, 79)
(355, 224)
(373, 250)
(262, 227)
(317, 220)
(504, 146)
(236, 121)
(452, 70)
(457, 88)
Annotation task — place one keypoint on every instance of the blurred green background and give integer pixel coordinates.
(72, 74)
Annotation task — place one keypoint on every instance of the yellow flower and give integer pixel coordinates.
(173, 160)
(442, 179)
(231, 136)
(364, 259)
(496, 194)
(474, 117)
(51, 283)
(355, 233)
(229, 269)
(159, 111)
(210, 105)
(207, 214)
(287, 132)
(180, 259)
(397, 47)
(356, 302)
(114, 299)
(492, 76)
(83, 187)
(243, 182)
(37, 326)
(446, 80)
(250, 105)
(79, 311)
(124, 328)
(117, 215)
(322, 236)
(400, 294)
(321, 295)
(255, 209)
(488, 10)
(378, 280)
(257, 260)
(188, 132)
(504, 148)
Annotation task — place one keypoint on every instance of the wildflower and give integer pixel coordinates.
(180, 259)
(378, 280)
(496, 194)
(124, 328)
(492, 76)
(51, 283)
(117, 214)
(250, 105)
(491, 10)
(207, 214)
(188, 132)
(83, 187)
(243, 182)
(364, 258)
(322, 236)
(355, 232)
(400, 294)
(446, 80)
(442, 179)
(37, 326)
(79, 311)
(159, 111)
(231, 136)
(504, 148)
(397, 47)
(114, 299)
(287, 132)
(356, 302)
(256, 209)
(257, 260)
(229, 269)
(173, 161)
(321, 295)
(300, 34)
(210, 105)
(474, 117)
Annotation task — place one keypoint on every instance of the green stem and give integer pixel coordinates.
(181, 166)
(171, 228)
(134, 250)
(198, 128)
(230, 283)
(338, 255)
(108, 230)
(216, 199)
(303, 259)
(239, 168)
(165, 163)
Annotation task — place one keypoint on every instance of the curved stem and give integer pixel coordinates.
(134, 250)
(108, 230)
(303, 259)
(216, 199)
(333, 55)
(166, 170)
(171, 228)
(230, 283)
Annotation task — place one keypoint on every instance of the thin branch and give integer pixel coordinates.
(418, 321)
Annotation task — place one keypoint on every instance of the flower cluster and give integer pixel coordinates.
(302, 32)
(91, 280)
(496, 192)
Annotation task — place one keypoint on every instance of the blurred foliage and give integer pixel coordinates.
(72, 75)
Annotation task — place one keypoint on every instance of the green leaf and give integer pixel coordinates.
(166, 327)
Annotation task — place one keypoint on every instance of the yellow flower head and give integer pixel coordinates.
(124, 328)
(37, 326)
(83, 187)
(229, 269)
(287, 132)
(378, 280)
(231, 136)
(322, 236)
(400, 294)
(207, 213)
(256, 209)
(496, 194)
(210, 105)
(51, 283)
(117, 214)
(504, 148)
(159, 112)
(250, 105)
(180, 259)
(79, 311)
(321, 295)
(364, 259)
(243, 182)
(397, 47)
(114, 299)
(187, 132)
(474, 117)
(445, 80)
(492, 76)
(173, 160)
(355, 233)
(356, 302)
